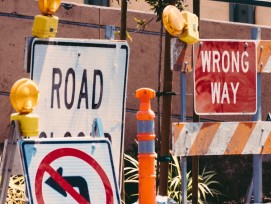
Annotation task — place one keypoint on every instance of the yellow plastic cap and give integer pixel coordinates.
(173, 20)
(29, 123)
(190, 34)
(24, 96)
(49, 7)
(45, 26)
(145, 95)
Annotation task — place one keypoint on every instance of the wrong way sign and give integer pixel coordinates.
(225, 77)
(69, 171)
(79, 81)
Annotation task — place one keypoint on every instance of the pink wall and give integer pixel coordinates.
(82, 21)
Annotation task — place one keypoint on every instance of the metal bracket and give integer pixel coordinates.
(97, 128)
(166, 93)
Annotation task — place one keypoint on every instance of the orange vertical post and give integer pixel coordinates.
(146, 147)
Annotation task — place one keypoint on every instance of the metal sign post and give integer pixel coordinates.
(183, 119)
(257, 158)
(179, 62)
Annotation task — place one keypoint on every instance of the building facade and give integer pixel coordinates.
(209, 9)
(84, 21)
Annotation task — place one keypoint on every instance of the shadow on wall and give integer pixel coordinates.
(1, 148)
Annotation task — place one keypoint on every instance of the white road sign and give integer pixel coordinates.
(79, 81)
(69, 171)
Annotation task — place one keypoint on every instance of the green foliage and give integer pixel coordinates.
(205, 182)
(127, 35)
(130, 179)
(131, 171)
(141, 24)
(205, 187)
(158, 6)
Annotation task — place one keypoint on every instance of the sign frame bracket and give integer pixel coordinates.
(97, 128)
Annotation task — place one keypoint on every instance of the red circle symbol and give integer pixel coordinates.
(64, 152)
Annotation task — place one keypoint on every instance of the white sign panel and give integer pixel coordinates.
(79, 81)
(69, 171)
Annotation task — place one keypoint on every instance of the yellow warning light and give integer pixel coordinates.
(24, 97)
(45, 25)
(182, 24)
(49, 7)
(173, 20)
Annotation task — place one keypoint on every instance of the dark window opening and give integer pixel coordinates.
(97, 2)
(242, 13)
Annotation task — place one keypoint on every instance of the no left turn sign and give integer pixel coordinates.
(74, 171)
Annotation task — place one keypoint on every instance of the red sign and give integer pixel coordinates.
(225, 78)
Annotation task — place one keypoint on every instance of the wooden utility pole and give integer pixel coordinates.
(123, 23)
(166, 120)
(195, 159)
(123, 27)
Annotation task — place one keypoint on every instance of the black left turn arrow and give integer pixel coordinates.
(75, 181)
